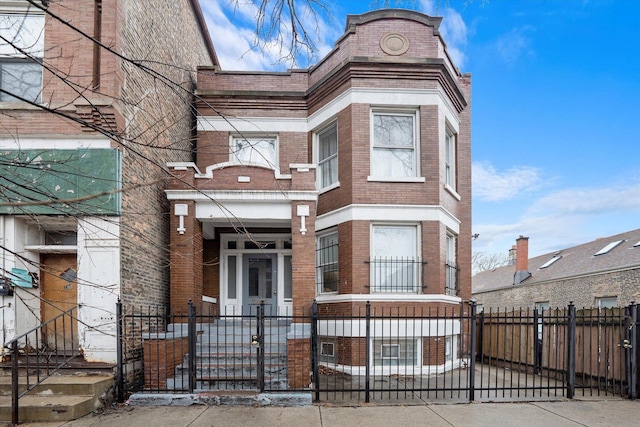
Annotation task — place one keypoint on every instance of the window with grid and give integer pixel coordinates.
(21, 52)
(327, 263)
(395, 352)
(394, 145)
(328, 157)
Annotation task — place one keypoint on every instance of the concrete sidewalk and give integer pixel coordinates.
(611, 412)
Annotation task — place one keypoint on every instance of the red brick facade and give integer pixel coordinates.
(362, 76)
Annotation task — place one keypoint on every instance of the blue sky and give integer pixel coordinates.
(556, 108)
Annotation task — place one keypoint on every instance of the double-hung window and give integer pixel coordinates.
(328, 157)
(450, 159)
(327, 263)
(451, 266)
(394, 145)
(260, 151)
(395, 265)
(21, 51)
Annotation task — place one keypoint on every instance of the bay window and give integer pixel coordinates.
(327, 263)
(395, 264)
(328, 157)
(394, 145)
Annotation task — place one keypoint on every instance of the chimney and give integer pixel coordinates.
(512, 255)
(522, 260)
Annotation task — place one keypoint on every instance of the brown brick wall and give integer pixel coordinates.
(159, 124)
(160, 360)
(148, 116)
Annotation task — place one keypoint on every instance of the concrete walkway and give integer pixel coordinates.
(610, 412)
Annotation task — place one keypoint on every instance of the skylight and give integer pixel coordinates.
(608, 248)
(551, 261)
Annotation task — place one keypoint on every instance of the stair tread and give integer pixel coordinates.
(59, 379)
(47, 399)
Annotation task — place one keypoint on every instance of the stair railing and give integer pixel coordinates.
(36, 344)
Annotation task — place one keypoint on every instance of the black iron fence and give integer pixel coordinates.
(366, 353)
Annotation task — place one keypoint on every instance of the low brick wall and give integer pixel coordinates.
(162, 353)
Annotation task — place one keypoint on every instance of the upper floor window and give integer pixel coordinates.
(450, 159)
(395, 264)
(262, 151)
(327, 263)
(21, 51)
(328, 157)
(394, 145)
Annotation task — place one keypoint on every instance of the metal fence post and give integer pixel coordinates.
(632, 353)
(367, 352)
(472, 354)
(314, 349)
(119, 355)
(571, 350)
(191, 343)
(14, 384)
(260, 349)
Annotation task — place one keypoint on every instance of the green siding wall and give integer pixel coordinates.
(77, 182)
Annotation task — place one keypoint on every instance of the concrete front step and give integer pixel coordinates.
(224, 383)
(58, 398)
(231, 371)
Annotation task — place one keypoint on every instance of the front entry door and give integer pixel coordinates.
(59, 293)
(260, 282)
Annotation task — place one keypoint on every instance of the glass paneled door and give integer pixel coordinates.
(260, 282)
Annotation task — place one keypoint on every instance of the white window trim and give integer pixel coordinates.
(22, 8)
(316, 157)
(327, 343)
(233, 160)
(418, 254)
(326, 233)
(450, 141)
(414, 112)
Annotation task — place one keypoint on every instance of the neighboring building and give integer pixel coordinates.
(344, 183)
(602, 273)
(85, 122)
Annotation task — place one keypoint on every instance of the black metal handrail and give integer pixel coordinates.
(452, 282)
(37, 347)
(395, 274)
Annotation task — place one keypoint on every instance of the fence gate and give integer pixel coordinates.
(456, 354)
(396, 355)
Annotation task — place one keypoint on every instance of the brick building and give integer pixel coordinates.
(602, 273)
(344, 183)
(90, 125)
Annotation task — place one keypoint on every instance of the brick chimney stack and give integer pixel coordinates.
(522, 260)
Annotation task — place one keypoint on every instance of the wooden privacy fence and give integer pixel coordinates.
(595, 345)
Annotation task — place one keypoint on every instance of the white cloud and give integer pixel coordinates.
(233, 30)
(565, 218)
(590, 201)
(515, 44)
(453, 28)
(491, 185)
(233, 41)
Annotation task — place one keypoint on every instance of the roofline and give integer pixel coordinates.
(432, 21)
(204, 31)
(554, 280)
